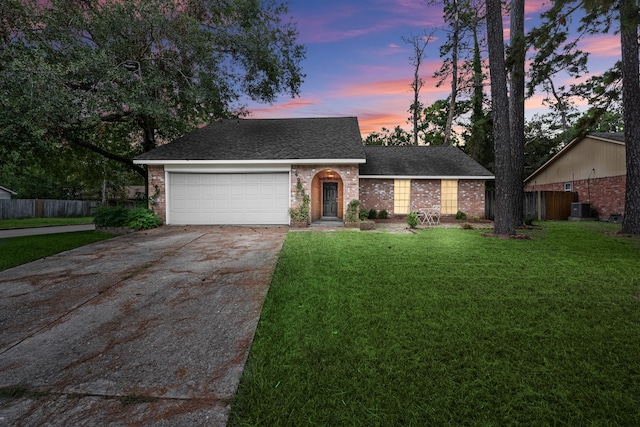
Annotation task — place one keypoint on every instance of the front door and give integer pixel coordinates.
(330, 199)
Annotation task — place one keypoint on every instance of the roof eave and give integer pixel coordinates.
(451, 177)
(252, 162)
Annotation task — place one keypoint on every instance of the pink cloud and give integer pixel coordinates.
(602, 45)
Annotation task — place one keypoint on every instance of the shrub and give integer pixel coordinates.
(461, 215)
(352, 211)
(529, 221)
(301, 212)
(363, 214)
(373, 214)
(142, 219)
(383, 214)
(111, 216)
(412, 220)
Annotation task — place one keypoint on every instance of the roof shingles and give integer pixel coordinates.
(421, 161)
(266, 139)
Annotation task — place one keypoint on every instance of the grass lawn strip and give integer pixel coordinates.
(15, 251)
(43, 222)
(448, 327)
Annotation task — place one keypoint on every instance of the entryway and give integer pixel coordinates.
(329, 200)
(327, 189)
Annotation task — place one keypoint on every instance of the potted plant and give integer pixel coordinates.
(300, 214)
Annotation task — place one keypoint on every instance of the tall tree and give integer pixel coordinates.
(631, 113)
(418, 43)
(505, 181)
(516, 60)
(70, 70)
(478, 141)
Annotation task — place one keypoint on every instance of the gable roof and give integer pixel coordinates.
(609, 137)
(7, 190)
(421, 162)
(259, 140)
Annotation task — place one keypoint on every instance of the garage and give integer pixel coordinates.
(228, 198)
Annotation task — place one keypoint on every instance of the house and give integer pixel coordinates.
(245, 171)
(5, 193)
(594, 166)
(399, 178)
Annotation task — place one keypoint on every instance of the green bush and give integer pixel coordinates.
(412, 220)
(363, 214)
(352, 211)
(373, 214)
(120, 216)
(383, 214)
(142, 219)
(461, 215)
(111, 216)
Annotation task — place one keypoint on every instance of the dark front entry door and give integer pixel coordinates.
(330, 199)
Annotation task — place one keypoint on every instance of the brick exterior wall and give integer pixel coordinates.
(471, 197)
(312, 177)
(606, 195)
(157, 191)
(425, 193)
(378, 194)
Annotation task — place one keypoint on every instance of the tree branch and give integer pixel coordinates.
(124, 160)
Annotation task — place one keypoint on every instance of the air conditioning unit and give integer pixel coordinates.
(581, 210)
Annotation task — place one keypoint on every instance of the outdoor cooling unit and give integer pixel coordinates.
(581, 210)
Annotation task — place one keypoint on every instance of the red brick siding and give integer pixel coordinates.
(471, 197)
(605, 194)
(312, 177)
(425, 193)
(157, 191)
(378, 194)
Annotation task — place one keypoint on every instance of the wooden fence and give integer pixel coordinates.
(540, 205)
(45, 208)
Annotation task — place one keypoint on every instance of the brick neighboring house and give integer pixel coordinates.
(594, 166)
(245, 171)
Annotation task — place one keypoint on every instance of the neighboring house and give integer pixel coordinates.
(5, 193)
(594, 166)
(245, 171)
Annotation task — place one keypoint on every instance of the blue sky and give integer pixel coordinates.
(358, 65)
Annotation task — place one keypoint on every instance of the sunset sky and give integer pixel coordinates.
(358, 65)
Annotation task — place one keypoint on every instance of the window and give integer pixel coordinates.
(448, 197)
(401, 196)
(567, 186)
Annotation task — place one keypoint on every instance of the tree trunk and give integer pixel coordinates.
(516, 107)
(631, 106)
(454, 75)
(503, 218)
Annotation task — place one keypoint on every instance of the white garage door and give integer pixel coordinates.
(238, 198)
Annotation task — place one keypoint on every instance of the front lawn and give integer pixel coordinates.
(20, 250)
(447, 327)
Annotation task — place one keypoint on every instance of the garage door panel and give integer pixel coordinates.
(256, 198)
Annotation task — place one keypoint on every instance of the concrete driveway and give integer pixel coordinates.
(151, 328)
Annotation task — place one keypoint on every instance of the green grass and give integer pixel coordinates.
(448, 327)
(42, 222)
(20, 250)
